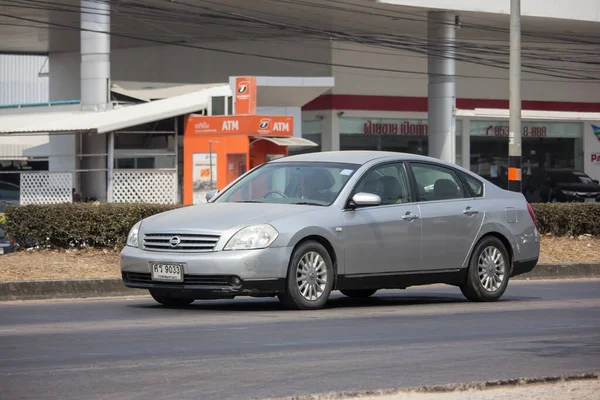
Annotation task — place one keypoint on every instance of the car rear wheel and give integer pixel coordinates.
(358, 293)
(171, 301)
(489, 270)
(309, 278)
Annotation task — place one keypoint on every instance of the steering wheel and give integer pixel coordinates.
(279, 192)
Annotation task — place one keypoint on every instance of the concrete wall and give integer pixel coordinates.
(495, 86)
(175, 64)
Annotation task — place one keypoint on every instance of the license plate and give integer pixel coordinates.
(167, 272)
(590, 200)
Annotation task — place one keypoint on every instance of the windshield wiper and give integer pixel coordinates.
(249, 201)
(309, 203)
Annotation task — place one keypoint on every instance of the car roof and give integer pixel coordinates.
(353, 156)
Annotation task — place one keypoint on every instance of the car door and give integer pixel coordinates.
(384, 238)
(451, 215)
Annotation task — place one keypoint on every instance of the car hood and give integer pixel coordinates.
(579, 187)
(219, 217)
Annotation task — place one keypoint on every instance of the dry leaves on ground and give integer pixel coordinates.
(94, 263)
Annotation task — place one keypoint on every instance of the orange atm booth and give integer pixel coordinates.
(218, 149)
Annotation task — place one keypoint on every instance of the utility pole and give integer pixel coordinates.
(514, 136)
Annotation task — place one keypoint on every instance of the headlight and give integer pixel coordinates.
(133, 237)
(252, 237)
(569, 193)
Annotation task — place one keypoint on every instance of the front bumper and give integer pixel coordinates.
(211, 275)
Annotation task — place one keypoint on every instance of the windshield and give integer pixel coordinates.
(291, 183)
(570, 177)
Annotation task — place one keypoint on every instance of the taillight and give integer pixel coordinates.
(531, 213)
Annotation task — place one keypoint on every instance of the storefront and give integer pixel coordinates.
(546, 144)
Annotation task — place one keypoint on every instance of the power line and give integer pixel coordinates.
(408, 44)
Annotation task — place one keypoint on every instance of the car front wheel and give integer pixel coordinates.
(309, 279)
(488, 273)
(171, 301)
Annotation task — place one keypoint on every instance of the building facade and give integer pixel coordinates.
(380, 54)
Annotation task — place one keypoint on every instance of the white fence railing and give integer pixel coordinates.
(46, 188)
(145, 186)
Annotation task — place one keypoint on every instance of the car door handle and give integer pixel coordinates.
(470, 211)
(409, 216)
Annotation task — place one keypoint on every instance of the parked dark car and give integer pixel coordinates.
(561, 185)
(10, 194)
(7, 245)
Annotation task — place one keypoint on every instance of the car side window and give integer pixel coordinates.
(389, 182)
(436, 182)
(474, 184)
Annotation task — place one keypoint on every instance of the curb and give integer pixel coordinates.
(453, 387)
(562, 271)
(64, 289)
(114, 287)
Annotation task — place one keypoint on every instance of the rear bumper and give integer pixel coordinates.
(523, 266)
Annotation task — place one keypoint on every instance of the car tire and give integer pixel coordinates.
(358, 293)
(488, 272)
(309, 279)
(171, 301)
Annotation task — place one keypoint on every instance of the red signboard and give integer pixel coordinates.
(245, 95)
(241, 124)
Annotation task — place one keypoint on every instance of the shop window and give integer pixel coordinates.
(437, 183)
(545, 145)
(311, 130)
(135, 163)
(388, 134)
(218, 105)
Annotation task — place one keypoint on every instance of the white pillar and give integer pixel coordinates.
(441, 89)
(95, 91)
(466, 144)
(95, 55)
(330, 131)
(110, 162)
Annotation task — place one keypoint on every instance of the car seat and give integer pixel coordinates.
(445, 189)
(317, 185)
(389, 189)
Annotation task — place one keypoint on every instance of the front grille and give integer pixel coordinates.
(198, 280)
(180, 242)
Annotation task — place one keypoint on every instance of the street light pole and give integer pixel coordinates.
(514, 136)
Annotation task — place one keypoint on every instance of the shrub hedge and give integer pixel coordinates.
(77, 224)
(562, 219)
(107, 225)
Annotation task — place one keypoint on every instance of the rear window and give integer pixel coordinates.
(474, 184)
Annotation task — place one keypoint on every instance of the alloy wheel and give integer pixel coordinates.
(491, 269)
(311, 276)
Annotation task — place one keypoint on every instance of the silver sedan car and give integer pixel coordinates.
(355, 221)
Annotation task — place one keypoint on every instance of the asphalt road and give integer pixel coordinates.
(251, 348)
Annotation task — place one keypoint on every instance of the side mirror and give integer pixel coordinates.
(211, 194)
(366, 199)
(596, 181)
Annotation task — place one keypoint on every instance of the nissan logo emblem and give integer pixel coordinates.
(174, 242)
